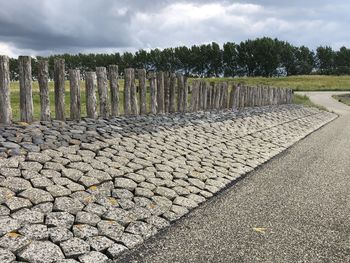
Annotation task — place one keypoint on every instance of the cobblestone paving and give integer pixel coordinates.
(85, 192)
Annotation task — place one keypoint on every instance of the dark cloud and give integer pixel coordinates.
(50, 26)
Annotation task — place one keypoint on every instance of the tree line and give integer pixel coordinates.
(265, 57)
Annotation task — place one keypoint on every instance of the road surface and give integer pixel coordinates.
(295, 208)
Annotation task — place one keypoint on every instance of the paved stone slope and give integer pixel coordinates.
(88, 191)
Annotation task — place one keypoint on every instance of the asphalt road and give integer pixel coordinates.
(295, 208)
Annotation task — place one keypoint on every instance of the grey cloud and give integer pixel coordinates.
(50, 26)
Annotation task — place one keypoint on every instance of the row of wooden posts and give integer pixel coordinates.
(169, 92)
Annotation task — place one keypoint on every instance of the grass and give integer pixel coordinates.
(297, 83)
(305, 101)
(344, 98)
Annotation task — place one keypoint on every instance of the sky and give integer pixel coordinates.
(44, 27)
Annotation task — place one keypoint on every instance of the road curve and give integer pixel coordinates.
(294, 208)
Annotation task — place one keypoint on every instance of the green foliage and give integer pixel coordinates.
(264, 57)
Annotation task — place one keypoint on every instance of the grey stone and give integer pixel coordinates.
(5, 194)
(60, 219)
(34, 232)
(16, 184)
(120, 215)
(53, 166)
(99, 175)
(6, 256)
(58, 190)
(59, 234)
(87, 218)
(28, 216)
(10, 172)
(166, 192)
(36, 196)
(16, 203)
(141, 228)
(41, 182)
(41, 252)
(99, 243)
(32, 166)
(68, 204)
(94, 257)
(50, 173)
(14, 242)
(185, 202)
(115, 250)
(88, 181)
(158, 222)
(143, 192)
(43, 207)
(72, 174)
(110, 229)
(74, 247)
(38, 157)
(84, 231)
(122, 194)
(8, 224)
(125, 183)
(9, 145)
(4, 211)
(130, 240)
(95, 209)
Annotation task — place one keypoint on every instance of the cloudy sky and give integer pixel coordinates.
(42, 27)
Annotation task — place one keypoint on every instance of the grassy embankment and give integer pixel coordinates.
(344, 98)
(297, 83)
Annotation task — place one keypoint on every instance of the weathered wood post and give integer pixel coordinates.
(166, 91)
(101, 73)
(5, 104)
(225, 95)
(217, 98)
(205, 95)
(59, 80)
(180, 92)
(141, 75)
(74, 81)
(127, 91)
(25, 88)
(114, 89)
(194, 95)
(43, 80)
(160, 91)
(185, 95)
(90, 86)
(133, 95)
(153, 91)
(172, 93)
(200, 95)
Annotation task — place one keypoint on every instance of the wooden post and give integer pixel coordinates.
(25, 88)
(133, 95)
(153, 91)
(172, 93)
(43, 80)
(101, 74)
(185, 95)
(160, 91)
(127, 91)
(141, 74)
(217, 99)
(225, 95)
(180, 92)
(5, 104)
(195, 95)
(205, 95)
(74, 81)
(90, 86)
(113, 75)
(59, 80)
(166, 91)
